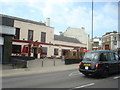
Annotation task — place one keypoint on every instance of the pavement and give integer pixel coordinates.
(28, 71)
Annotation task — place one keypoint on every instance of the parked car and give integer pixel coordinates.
(100, 62)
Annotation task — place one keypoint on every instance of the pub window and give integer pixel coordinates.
(74, 53)
(17, 33)
(44, 50)
(16, 49)
(30, 35)
(55, 51)
(43, 36)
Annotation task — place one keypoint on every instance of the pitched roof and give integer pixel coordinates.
(66, 39)
(23, 20)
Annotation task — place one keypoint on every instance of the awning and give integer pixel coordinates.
(86, 50)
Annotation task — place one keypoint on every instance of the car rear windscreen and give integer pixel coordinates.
(89, 56)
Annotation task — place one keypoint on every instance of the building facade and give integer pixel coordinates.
(37, 39)
(67, 44)
(79, 34)
(7, 32)
(111, 41)
(97, 43)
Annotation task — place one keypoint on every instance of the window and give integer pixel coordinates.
(30, 35)
(44, 50)
(17, 33)
(43, 37)
(117, 57)
(119, 37)
(103, 57)
(115, 42)
(112, 56)
(91, 56)
(74, 53)
(16, 49)
(55, 51)
(115, 38)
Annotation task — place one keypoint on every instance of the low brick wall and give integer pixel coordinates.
(39, 63)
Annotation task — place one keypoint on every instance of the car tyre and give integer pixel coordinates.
(86, 74)
(105, 74)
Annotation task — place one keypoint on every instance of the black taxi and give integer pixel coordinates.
(100, 62)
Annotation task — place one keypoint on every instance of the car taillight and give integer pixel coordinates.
(97, 66)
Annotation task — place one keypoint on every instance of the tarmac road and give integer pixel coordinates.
(69, 79)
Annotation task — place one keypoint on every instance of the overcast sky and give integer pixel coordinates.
(65, 14)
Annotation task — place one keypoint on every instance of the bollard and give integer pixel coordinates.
(42, 63)
(54, 62)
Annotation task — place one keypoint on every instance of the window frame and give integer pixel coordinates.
(43, 37)
(17, 33)
(30, 39)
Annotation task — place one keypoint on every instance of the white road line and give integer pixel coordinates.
(85, 85)
(74, 73)
(116, 77)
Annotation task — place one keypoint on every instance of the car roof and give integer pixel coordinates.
(101, 51)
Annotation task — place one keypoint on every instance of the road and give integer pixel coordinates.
(71, 79)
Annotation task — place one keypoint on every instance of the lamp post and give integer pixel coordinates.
(92, 27)
(92, 21)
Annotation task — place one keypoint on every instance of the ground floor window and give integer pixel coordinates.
(55, 51)
(16, 49)
(65, 52)
(44, 50)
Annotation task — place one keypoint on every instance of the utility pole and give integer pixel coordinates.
(92, 28)
(92, 22)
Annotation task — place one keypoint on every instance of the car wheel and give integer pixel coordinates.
(86, 74)
(105, 74)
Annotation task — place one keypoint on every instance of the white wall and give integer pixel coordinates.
(37, 29)
(79, 34)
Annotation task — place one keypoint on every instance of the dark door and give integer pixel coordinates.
(35, 52)
(104, 61)
(107, 47)
(113, 66)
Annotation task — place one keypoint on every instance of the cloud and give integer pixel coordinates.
(106, 18)
(68, 13)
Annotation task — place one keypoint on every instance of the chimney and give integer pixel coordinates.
(83, 28)
(61, 33)
(47, 21)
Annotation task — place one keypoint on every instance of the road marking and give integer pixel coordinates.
(116, 77)
(85, 85)
(74, 73)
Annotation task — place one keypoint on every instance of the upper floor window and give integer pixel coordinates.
(118, 36)
(17, 33)
(30, 35)
(43, 36)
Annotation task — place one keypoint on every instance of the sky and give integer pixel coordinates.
(69, 13)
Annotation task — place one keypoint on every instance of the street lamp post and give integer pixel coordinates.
(92, 27)
(92, 22)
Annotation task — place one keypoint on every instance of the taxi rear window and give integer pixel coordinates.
(89, 56)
